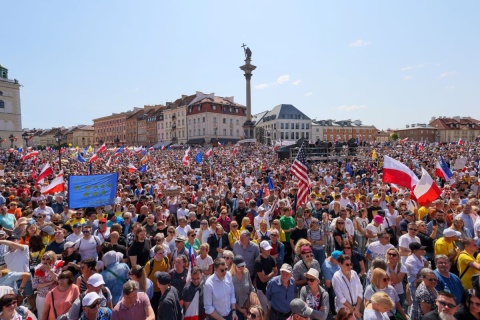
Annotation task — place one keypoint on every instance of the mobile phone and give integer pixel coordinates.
(434, 222)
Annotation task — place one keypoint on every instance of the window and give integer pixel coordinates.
(203, 131)
(308, 126)
(303, 126)
(214, 107)
(236, 110)
(224, 132)
(238, 133)
(292, 135)
(194, 120)
(296, 135)
(214, 120)
(2, 104)
(1, 93)
(281, 135)
(286, 125)
(198, 131)
(296, 126)
(231, 132)
(231, 121)
(237, 122)
(183, 122)
(303, 135)
(203, 119)
(281, 125)
(224, 120)
(199, 107)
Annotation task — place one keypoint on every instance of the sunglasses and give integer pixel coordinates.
(171, 231)
(222, 270)
(310, 279)
(253, 315)
(347, 264)
(340, 222)
(13, 303)
(392, 254)
(102, 223)
(234, 226)
(412, 229)
(432, 279)
(451, 305)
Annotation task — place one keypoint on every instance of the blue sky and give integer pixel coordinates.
(387, 63)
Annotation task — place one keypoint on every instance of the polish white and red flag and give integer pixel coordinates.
(209, 152)
(30, 155)
(93, 158)
(460, 142)
(426, 191)
(103, 148)
(57, 185)
(138, 150)
(396, 172)
(192, 312)
(404, 140)
(185, 159)
(131, 168)
(108, 162)
(234, 153)
(46, 171)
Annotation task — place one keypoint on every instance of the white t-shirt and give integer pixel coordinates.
(203, 264)
(257, 219)
(399, 286)
(73, 237)
(375, 230)
(88, 248)
(404, 242)
(183, 231)
(47, 211)
(378, 250)
(18, 260)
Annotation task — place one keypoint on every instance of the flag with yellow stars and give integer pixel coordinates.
(92, 191)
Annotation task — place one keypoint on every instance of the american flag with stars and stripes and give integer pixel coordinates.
(300, 171)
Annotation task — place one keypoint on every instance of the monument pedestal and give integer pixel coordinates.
(248, 129)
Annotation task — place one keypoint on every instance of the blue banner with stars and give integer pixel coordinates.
(92, 191)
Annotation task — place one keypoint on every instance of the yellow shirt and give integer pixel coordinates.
(157, 266)
(73, 221)
(233, 237)
(463, 261)
(443, 247)
(422, 212)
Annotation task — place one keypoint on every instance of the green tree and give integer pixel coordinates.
(394, 136)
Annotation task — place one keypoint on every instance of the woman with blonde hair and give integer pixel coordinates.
(281, 233)
(45, 279)
(234, 234)
(256, 312)
(204, 261)
(380, 282)
(459, 225)
(137, 273)
(204, 232)
(396, 271)
(245, 223)
(378, 308)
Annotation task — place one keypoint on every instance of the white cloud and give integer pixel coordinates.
(283, 79)
(447, 74)
(262, 86)
(308, 94)
(418, 66)
(351, 107)
(359, 43)
(296, 82)
(407, 78)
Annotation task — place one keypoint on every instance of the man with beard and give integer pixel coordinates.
(446, 307)
(302, 266)
(439, 221)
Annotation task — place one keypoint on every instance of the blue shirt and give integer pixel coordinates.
(279, 295)
(8, 221)
(112, 282)
(329, 269)
(451, 284)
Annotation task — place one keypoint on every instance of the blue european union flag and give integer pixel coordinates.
(143, 168)
(92, 191)
(270, 183)
(199, 157)
(349, 169)
(80, 158)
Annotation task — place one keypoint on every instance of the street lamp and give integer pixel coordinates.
(11, 138)
(25, 137)
(58, 138)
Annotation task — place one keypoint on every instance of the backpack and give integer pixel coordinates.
(152, 265)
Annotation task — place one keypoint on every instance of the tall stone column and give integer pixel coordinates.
(247, 68)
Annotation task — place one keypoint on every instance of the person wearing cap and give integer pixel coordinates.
(91, 309)
(248, 250)
(446, 244)
(280, 292)
(301, 267)
(71, 258)
(300, 310)
(245, 294)
(408, 217)
(95, 284)
(103, 231)
(329, 267)
(43, 209)
(76, 234)
(315, 296)
(219, 293)
(133, 305)
(265, 269)
(415, 262)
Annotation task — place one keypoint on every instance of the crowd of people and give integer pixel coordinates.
(228, 238)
